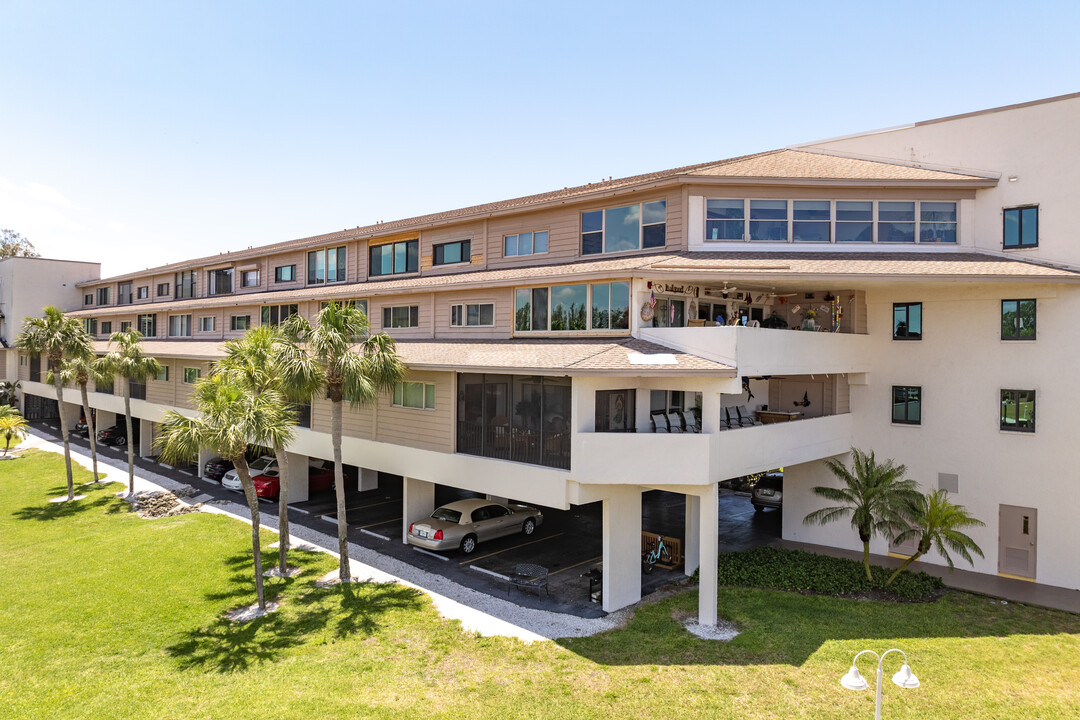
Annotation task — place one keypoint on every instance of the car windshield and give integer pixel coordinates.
(446, 514)
(261, 464)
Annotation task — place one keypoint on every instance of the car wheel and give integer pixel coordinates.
(468, 544)
(759, 508)
(120, 442)
(528, 527)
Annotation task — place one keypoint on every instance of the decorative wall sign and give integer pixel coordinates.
(675, 289)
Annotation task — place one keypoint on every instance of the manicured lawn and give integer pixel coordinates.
(105, 615)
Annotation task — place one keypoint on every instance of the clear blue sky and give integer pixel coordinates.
(139, 133)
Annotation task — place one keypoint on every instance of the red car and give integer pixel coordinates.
(320, 477)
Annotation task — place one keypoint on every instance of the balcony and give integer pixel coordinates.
(762, 351)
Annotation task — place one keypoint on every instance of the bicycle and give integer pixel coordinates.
(659, 552)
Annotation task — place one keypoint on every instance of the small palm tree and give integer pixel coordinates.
(80, 370)
(13, 426)
(231, 416)
(341, 356)
(9, 392)
(129, 362)
(876, 496)
(938, 522)
(56, 336)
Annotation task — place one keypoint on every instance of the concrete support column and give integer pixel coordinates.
(146, 436)
(710, 412)
(692, 539)
(105, 419)
(369, 479)
(622, 547)
(205, 456)
(709, 554)
(418, 501)
(297, 480)
(72, 413)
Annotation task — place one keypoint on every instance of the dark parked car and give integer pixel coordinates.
(768, 492)
(115, 435)
(321, 476)
(216, 468)
(81, 427)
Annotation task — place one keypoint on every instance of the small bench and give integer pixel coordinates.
(528, 575)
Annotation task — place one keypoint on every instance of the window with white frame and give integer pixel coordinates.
(526, 243)
(179, 326)
(103, 296)
(573, 308)
(145, 324)
(401, 316)
(417, 395)
(632, 227)
(472, 315)
(207, 324)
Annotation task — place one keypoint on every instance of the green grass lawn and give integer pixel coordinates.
(105, 615)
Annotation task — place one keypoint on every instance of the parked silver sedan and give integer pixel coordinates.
(465, 523)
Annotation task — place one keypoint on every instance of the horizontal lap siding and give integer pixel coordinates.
(299, 259)
(24, 367)
(502, 298)
(423, 303)
(164, 392)
(426, 429)
(430, 238)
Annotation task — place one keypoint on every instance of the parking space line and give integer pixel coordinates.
(428, 552)
(381, 537)
(362, 507)
(504, 578)
(515, 547)
(384, 522)
(299, 510)
(571, 567)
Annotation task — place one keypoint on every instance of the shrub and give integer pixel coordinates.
(799, 571)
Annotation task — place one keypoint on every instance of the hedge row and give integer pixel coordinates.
(780, 569)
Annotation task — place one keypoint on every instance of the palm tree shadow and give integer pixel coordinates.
(61, 510)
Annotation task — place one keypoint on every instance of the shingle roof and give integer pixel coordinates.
(798, 164)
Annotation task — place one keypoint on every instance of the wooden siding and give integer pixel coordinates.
(426, 429)
(424, 303)
(501, 298)
(468, 231)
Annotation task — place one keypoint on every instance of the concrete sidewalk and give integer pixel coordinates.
(1029, 593)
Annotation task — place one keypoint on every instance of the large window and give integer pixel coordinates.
(123, 293)
(472, 315)
(811, 221)
(395, 258)
(417, 395)
(146, 324)
(769, 220)
(163, 374)
(896, 222)
(632, 227)
(854, 221)
(103, 296)
(285, 273)
(1021, 227)
(179, 326)
(937, 222)
(1018, 410)
(907, 321)
(1017, 319)
(401, 316)
(185, 284)
(527, 243)
(907, 404)
(326, 266)
(599, 306)
(725, 220)
(276, 314)
(615, 411)
(452, 252)
(220, 281)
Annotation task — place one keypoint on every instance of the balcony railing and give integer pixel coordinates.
(502, 442)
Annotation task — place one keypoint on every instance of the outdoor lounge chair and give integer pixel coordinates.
(733, 419)
(690, 422)
(746, 417)
(675, 422)
(659, 423)
(528, 575)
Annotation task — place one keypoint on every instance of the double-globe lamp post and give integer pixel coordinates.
(903, 677)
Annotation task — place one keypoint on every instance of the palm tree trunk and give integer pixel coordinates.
(130, 436)
(90, 429)
(866, 559)
(63, 422)
(903, 566)
(283, 509)
(344, 570)
(253, 506)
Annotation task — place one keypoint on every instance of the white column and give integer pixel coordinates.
(709, 549)
(72, 413)
(691, 538)
(297, 481)
(622, 547)
(368, 480)
(418, 502)
(146, 436)
(205, 456)
(105, 419)
(710, 411)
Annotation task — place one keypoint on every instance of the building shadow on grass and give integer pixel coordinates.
(307, 614)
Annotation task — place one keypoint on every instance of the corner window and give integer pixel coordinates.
(907, 404)
(907, 321)
(123, 293)
(143, 292)
(185, 284)
(1018, 410)
(452, 252)
(207, 324)
(1021, 227)
(220, 281)
(1017, 319)
(163, 374)
(275, 314)
(179, 326)
(106, 327)
(472, 315)
(146, 324)
(285, 273)
(402, 316)
(88, 299)
(326, 266)
(600, 306)
(249, 278)
(420, 396)
(103, 296)
(163, 289)
(527, 243)
(240, 322)
(191, 375)
(633, 227)
(395, 258)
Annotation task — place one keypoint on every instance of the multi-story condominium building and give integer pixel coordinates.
(910, 291)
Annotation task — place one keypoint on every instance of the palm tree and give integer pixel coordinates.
(877, 497)
(937, 522)
(80, 370)
(340, 355)
(12, 426)
(56, 336)
(129, 362)
(9, 392)
(231, 417)
(254, 361)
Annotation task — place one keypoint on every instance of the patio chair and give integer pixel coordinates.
(659, 423)
(733, 419)
(690, 422)
(675, 422)
(723, 423)
(528, 575)
(746, 417)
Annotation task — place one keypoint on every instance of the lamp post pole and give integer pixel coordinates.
(903, 678)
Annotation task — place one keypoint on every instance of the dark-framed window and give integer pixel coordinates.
(1021, 227)
(103, 296)
(163, 289)
(208, 323)
(1018, 319)
(106, 327)
(401, 316)
(185, 284)
(275, 314)
(220, 282)
(472, 315)
(395, 258)
(125, 325)
(326, 266)
(147, 325)
(249, 278)
(143, 292)
(615, 411)
(907, 321)
(240, 322)
(88, 299)
(123, 293)
(90, 326)
(180, 326)
(285, 273)
(1018, 410)
(452, 252)
(303, 414)
(907, 404)
(597, 306)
